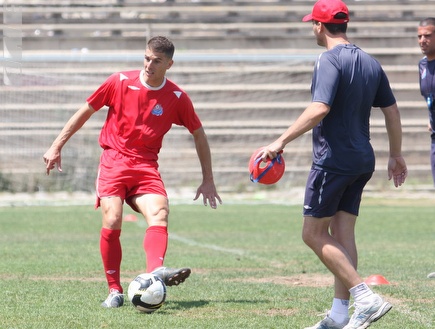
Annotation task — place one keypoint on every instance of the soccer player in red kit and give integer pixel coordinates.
(143, 105)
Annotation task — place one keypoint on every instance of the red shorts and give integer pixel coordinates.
(125, 177)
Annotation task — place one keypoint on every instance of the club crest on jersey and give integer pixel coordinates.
(157, 110)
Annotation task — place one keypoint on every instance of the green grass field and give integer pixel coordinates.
(250, 267)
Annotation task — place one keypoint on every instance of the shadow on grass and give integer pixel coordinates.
(180, 305)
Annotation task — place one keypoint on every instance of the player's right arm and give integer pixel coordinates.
(53, 155)
(309, 118)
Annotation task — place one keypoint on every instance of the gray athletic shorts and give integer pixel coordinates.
(327, 193)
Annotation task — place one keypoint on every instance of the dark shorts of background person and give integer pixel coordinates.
(327, 193)
(124, 176)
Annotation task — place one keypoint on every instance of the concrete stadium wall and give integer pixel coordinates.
(246, 64)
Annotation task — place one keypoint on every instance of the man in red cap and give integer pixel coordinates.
(346, 84)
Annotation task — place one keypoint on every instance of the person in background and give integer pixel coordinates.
(426, 66)
(143, 105)
(346, 84)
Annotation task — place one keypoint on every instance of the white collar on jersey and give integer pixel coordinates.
(142, 73)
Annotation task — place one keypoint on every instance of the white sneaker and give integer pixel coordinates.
(364, 315)
(115, 299)
(431, 275)
(328, 323)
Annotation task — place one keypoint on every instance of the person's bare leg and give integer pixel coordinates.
(342, 228)
(333, 255)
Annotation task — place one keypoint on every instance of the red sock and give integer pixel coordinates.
(155, 243)
(111, 254)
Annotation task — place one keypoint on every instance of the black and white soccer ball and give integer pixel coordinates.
(147, 292)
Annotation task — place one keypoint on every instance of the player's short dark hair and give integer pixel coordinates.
(428, 21)
(337, 28)
(162, 45)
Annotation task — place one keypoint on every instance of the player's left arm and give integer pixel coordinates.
(397, 169)
(207, 187)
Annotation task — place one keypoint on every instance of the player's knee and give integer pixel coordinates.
(305, 237)
(308, 237)
(112, 222)
(159, 217)
(111, 208)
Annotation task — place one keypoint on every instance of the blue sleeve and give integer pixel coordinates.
(384, 96)
(324, 90)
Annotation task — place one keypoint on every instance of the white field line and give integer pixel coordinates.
(237, 252)
(213, 247)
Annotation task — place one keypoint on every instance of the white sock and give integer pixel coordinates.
(340, 310)
(360, 292)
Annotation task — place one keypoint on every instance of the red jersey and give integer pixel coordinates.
(139, 115)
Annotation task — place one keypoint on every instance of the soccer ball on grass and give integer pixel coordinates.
(147, 292)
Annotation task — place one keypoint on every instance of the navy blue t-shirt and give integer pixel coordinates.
(427, 88)
(351, 82)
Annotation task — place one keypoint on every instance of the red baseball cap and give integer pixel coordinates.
(325, 10)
